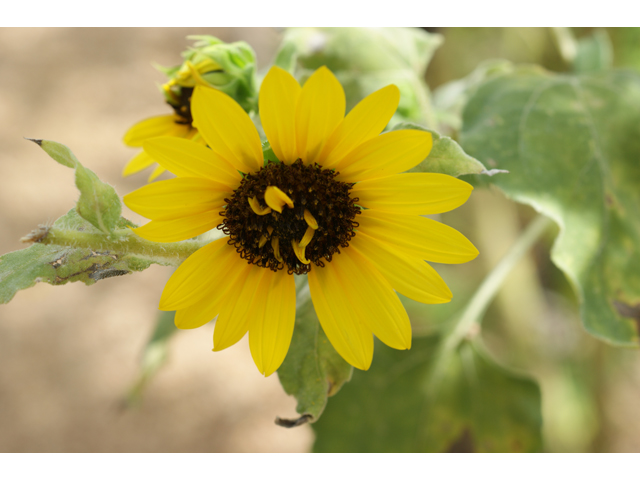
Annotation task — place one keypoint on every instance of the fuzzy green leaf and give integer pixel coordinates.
(572, 145)
(480, 406)
(312, 370)
(58, 265)
(98, 203)
(446, 156)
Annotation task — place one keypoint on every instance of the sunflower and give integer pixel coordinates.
(336, 207)
(178, 124)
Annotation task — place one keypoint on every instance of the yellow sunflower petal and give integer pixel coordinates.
(418, 237)
(367, 119)
(369, 298)
(276, 199)
(180, 228)
(221, 294)
(204, 274)
(385, 155)
(346, 332)
(177, 197)
(279, 95)
(137, 164)
(227, 129)
(159, 170)
(154, 127)
(414, 278)
(234, 318)
(187, 158)
(320, 110)
(270, 331)
(412, 193)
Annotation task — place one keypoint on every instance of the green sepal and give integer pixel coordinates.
(237, 74)
(268, 154)
(571, 144)
(446, 156)
(99, 203)
(479, 406)
(312, 370)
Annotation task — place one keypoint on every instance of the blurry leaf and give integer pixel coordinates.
(98, 203)
(388, 408)
(446, 156)
(595, 53)
(312, 370)
(572, 146)
(286, 58)
(449, 99)
(367, 59)
(625, 46)
(58, 265)
(154, 356)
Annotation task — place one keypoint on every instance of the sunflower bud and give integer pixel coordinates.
(229, 67)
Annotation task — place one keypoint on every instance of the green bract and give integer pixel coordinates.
(229, 67)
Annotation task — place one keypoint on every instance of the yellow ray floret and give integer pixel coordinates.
(299, 251)
(310, 219)
(276, 199)
(257, 208)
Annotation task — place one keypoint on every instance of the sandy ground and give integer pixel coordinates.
(68, 354)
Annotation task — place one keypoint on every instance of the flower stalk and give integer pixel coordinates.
(468, 323)
(124, 241)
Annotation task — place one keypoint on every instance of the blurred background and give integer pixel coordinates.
(70, 354)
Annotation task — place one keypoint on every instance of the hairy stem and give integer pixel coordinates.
(124, 241)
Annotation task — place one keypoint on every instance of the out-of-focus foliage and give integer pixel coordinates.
(477, 406)
(571, 144)
(154, 356)
(365, 60)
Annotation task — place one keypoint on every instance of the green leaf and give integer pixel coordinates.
(449, 99)
(98, 203)
(367, 59)
(625, 45)
(571, 144)
(595, 53)
(154, 356)
(312, 370)
(446, 156)
(480, 406)
(58, 265)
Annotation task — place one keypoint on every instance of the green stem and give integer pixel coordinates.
(471, 317)
(124, 241)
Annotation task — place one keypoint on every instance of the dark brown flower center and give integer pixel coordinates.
(316, 218)
(182, 105)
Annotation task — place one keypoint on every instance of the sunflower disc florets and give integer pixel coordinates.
(316, 216)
